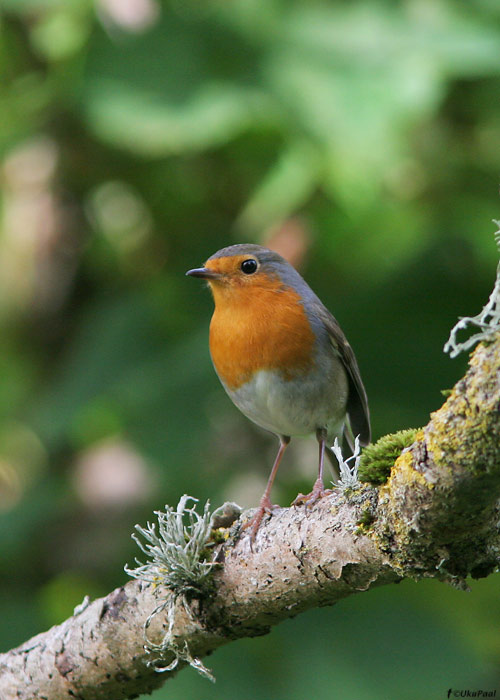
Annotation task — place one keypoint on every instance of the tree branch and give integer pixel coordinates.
(435, 516)
(438, 513)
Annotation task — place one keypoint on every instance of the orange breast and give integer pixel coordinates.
(260, 328)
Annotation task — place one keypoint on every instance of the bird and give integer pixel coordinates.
(282, 358)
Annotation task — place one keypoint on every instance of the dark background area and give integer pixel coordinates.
(362, 141)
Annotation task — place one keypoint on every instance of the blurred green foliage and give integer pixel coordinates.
(362, 139)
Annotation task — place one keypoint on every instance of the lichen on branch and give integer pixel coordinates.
(436, 515)
(488, 320)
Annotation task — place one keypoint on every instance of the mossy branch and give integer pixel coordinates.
(433, 513)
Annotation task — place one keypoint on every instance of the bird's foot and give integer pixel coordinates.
(254, 523)
(310, 499)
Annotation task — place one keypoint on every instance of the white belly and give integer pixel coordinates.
(296, 406)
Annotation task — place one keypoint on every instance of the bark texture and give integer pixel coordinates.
(438, 513)
(436, 516)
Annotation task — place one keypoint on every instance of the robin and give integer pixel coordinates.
(282, 357)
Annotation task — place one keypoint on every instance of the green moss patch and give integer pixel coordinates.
(378, 459)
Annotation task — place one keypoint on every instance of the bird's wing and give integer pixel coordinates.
(357, 402)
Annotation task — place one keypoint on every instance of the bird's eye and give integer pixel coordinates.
(248, 266)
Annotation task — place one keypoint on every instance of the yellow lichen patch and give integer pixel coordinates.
(220, 534)
(437, 512)
(403, 467)
(404, 485)
(464, 427)
(403, 472)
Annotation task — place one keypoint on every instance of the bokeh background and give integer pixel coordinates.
(361, 139)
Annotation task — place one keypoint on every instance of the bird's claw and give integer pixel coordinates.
(256, 519)
(310, 499)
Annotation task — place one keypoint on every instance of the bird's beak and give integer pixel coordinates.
(204, 273)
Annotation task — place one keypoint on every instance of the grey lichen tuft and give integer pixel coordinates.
(178, 559)
(488, 320)
(177, 553)
(348, 473)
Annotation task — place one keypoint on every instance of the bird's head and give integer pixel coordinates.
(233, 272)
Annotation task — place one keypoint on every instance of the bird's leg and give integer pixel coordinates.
(318, 489)
(265, 504)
